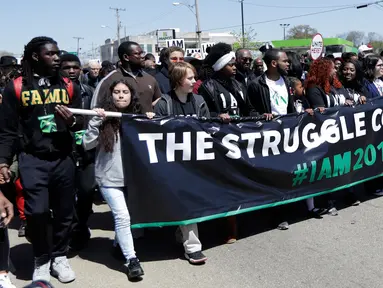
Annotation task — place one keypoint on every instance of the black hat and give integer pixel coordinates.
(266, 47)
(106, 63)
(8, 61)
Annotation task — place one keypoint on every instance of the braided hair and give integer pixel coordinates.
(34, 46)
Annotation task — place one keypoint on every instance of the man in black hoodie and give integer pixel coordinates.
(85, 177)
(270, 93)
(37, 102)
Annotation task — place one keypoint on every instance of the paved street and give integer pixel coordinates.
(342, 251)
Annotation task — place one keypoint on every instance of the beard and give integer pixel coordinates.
(282, 71)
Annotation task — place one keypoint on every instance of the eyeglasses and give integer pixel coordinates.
(177, 59)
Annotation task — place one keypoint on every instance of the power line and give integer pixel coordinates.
(294, 7)
(152, 20)
(297, 16)
(118, 22)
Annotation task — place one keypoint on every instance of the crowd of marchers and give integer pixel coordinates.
(52, 162)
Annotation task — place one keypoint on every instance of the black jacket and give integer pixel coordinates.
(85, 157)
(162, 78)
(164, 106)
(317, 97)
(259, 95)
(24, 113)
(212, 91)
(86, 95)
(240, 77)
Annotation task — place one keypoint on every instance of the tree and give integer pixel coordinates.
(374, 37)
(357, 37)
(248, 41)
(5, 53)
(301, 32)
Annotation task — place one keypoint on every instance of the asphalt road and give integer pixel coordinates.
(341, 251)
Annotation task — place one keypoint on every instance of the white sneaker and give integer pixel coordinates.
(42, 269)
(5, 282)
(62, 270)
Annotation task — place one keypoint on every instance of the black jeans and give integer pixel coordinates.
(85, 183)
(48, 184)
(4, 250)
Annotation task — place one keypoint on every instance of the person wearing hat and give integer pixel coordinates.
(6, 61)
(8, 69)
(364, 50)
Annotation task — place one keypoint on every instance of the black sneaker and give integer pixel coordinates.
(318, 212)
(196, 257)
(23, 225)
(134, 269)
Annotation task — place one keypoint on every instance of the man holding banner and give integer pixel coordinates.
(46, 164)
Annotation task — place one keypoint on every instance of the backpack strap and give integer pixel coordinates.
(69, 87)
(18, 85)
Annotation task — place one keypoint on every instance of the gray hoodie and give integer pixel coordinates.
(108, 166)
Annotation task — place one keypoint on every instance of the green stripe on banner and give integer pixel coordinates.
(241, 211)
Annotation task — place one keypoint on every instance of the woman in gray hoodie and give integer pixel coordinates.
(104, 135)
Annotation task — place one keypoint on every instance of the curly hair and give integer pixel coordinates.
(110, 128)
(216, 52)
(319, 75)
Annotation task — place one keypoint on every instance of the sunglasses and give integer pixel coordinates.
(177, 59)
(247, 59)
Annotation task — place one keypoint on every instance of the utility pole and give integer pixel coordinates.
(284, 26)
(118, 22)
(198, 25)
(93, 51)
(78, 44)
(243, 25)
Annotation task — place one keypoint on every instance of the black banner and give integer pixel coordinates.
(184, 170)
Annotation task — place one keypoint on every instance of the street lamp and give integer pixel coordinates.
(196, 13)
(111, 42)
(284, 26)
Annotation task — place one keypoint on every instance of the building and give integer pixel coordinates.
(154, 41)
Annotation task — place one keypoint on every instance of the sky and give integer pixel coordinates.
(63, 20)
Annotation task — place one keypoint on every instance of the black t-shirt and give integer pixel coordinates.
(318, 98)
(185, 109)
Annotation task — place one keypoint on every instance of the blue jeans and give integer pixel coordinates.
(115, 197)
